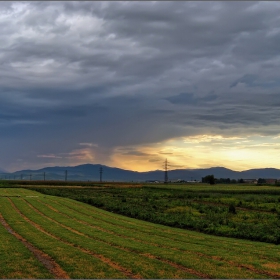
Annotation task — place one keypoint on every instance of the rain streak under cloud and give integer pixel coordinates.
(128, 84)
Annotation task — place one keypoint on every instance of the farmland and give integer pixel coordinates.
(56, 237)
(248, 212)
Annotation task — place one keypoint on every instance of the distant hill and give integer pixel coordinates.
(2, 171)
(90, 172)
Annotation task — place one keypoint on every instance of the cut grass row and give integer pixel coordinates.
(76, 236)
(12, 251)
(141, 248)
(96, 242)
(163, 231)
(242, 252)
(241, 216)
(69, 258)
(152, 268)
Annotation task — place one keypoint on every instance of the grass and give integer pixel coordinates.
(249, 212)
(17, 261)
(83, 238)
(88, 242)
(69, 258)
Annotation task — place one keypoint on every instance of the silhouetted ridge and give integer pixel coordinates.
(90, 172)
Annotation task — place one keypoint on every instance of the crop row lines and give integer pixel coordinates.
(70, 231)
(163, 246)
(116, 266)
(150, 256)
(45, 259)
(72, 259)
(121, 255)
(200, 259)
(185, 238)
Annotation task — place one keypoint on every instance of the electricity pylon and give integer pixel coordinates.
(100, 171)
(166, 172)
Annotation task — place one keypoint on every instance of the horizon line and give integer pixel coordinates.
(189, 169)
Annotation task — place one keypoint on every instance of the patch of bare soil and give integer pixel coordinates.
(45, 259)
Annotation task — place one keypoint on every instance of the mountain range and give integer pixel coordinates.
(2, 170)
(91, 172)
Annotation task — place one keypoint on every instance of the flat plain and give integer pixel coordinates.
(44, 236)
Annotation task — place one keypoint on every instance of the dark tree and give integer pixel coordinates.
(261, 181)
(209, 179)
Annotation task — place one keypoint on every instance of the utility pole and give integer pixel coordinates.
(165, 172)
(44, 176)
(100, 171)
(30, 177)
(21, 176)
(65, 175)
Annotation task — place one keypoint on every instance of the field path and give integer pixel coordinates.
(46, 260)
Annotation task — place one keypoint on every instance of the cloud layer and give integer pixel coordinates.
(124, 76)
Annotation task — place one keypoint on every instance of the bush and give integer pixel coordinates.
(231, 209)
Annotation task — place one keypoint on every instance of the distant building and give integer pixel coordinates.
(251, 181)
(271, 181)
(180, 181)
(152, 181)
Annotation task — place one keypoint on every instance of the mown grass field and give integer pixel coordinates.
(249, 212)
(46, 236)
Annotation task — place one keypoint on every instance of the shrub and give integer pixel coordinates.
(231, 209)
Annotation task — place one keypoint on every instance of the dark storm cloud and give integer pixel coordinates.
(190, 99)
(247, 80)
(131, 73)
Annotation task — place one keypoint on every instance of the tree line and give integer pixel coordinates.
(210, 179)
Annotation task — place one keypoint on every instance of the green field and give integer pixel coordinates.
(248, 212)
(46, 236)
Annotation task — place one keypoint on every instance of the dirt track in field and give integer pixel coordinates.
(45, 259)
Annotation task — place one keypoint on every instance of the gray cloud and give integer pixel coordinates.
(247, 80)
(190, 99)
(131, 73)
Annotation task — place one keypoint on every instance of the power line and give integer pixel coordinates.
(100, 171)
(166, 171)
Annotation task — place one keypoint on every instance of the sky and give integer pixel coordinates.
(129, 84)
